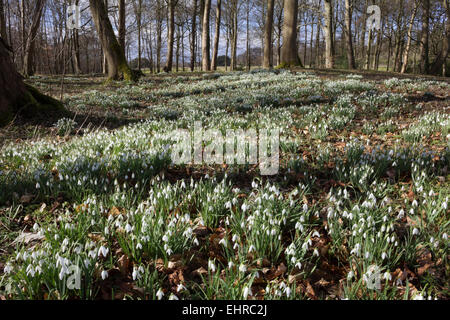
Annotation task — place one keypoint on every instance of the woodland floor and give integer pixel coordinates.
(361, 194)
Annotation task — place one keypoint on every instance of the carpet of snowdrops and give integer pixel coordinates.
(358, 209)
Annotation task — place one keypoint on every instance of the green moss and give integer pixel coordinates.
(287, 65)
(32, 104)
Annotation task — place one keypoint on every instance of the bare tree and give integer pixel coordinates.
(424, 44)
(117, 63)
(30, 43)
(328, 30)
(268, 34)
(206, 59)
(289, 50)
(216, 35)
(122, 24)
(348, 34)
(171, 34)
(409, 38)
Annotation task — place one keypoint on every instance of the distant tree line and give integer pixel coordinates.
(117, 36)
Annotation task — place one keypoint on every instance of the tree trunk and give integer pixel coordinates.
(206, 60)
(216, 36)
(17, 97)
(171, 35)
(328, 30)
(289, 50)
(122, 24)
(117, 63)
(348, 34)
(409, 38)
(424, 44)
(3, 22)
(440, 61)
(268, 34)
(247, 28)
(30, 43)
(159, 21)
(193, 34)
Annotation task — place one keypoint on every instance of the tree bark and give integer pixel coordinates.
(441, 58)
(409, 38)
(216, 35)
(193, 34)
(3, 33)
(17, 97)
(30, 43)
(268, 35)
(289, 50)
(206, 60)
(122, 24)
(117, 63)
(348, 34)
(171, 35)
(328, 30)
(424, 43)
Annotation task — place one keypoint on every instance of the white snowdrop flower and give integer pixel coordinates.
(35, 227)
(367, 255)
(173, 297)
(251, 248)
(242, 268)
(139, 246)
(235, 238)
(244, 207)
(387, 276)
(165, 238)
(316, 234)
(236, 246)
(288, 292)
(38, 186)
(411, 211)
(316, 252)
(247, 292)
(418, 297)
(211, 266)
(104, 274)
(196, 242)
(135, 274)
(298, 265)
(159, 294)
(414, 203)
(8, 269)
(180, 288)
(350, 275)
(401, 214)
(305, 207)
(128, 228)
(384, 255)
(445, 236)
(223, 242)
(103, 251)
(230, 264)
(415, 231)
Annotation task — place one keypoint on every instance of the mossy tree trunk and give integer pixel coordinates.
(117, 63)
(17, 97)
